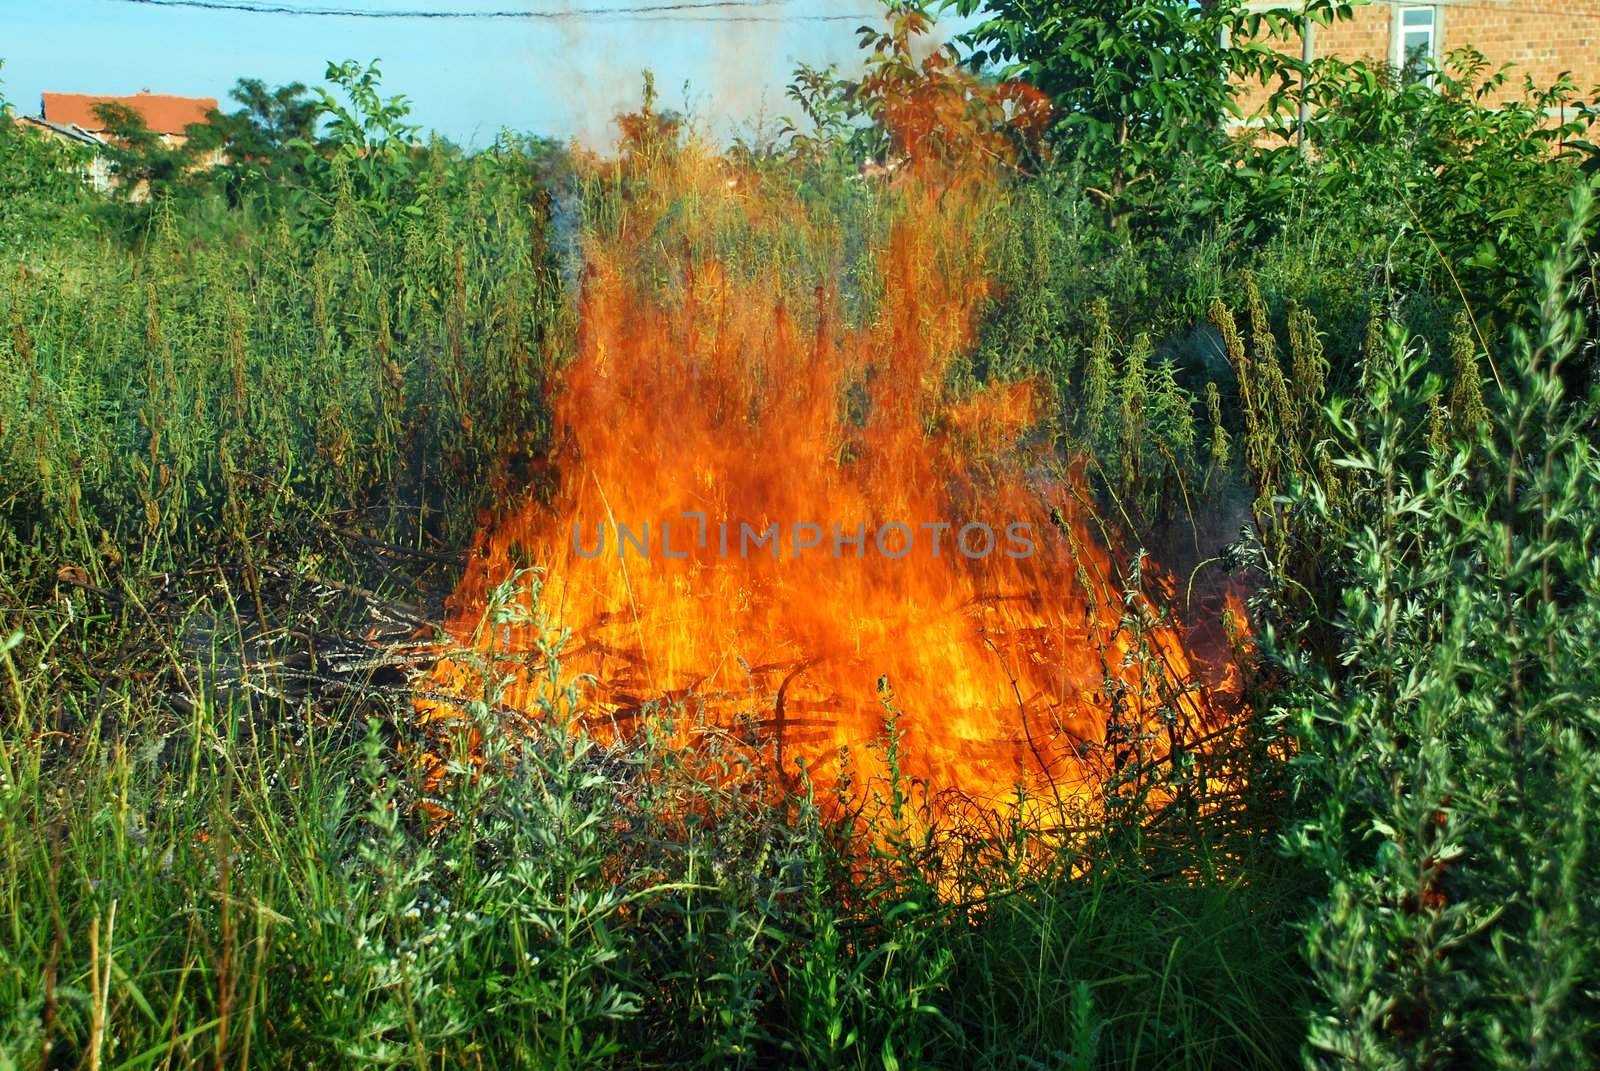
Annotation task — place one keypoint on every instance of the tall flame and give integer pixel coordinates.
(711, 399)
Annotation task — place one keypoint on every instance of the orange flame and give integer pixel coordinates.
(708, 402)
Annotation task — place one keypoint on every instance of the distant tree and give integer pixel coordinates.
(1141, 87)
(825, 101)
(285, 138)
(266, 122)
(255, 138)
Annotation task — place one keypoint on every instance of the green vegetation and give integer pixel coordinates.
(1448, 770)
(247, 427)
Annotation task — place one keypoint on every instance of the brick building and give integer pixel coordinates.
(96, 168)
(74, 118)
(1542, 38)
(167, 117)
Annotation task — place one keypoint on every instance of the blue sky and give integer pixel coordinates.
(466, 78)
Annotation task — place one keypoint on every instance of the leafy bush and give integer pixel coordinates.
(1469, 169)
(1447, 758)
(42, 186)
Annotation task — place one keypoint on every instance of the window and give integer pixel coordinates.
(1416, 43)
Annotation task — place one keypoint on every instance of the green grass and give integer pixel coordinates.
(254, 883)
(205, 387)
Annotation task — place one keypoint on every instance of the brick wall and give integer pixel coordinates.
(1541, 38)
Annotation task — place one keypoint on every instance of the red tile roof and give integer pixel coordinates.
(162, 114)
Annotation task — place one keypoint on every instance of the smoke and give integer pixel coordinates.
(725, 73)
(584, 72)
(751, 61)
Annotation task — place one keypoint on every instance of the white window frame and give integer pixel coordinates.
(1397, 33)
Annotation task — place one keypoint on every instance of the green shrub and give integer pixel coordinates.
(1448, 758)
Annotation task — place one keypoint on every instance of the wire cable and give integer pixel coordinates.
(675, 10)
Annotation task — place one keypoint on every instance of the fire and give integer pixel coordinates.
(713, 399)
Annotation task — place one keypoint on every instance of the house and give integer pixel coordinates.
(74, 117)
(1541, 38)
(167, 117)
(98, 169)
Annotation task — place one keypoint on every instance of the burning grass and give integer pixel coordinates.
(781, 507)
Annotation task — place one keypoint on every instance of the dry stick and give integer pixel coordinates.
(1027, 730)
(395, 548)
(84, 585)
(99, 983)
(386, 567)
(105, 981)
(95, 1011)
(1188, 590)
(407, 613)
(261, 943)
(780, 713)
(167, 648)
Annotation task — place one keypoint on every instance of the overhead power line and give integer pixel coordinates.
(674, 10)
